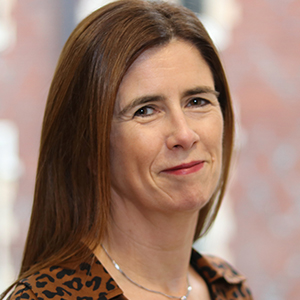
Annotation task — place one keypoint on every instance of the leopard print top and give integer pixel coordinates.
(92, 281)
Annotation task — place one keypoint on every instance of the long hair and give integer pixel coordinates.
(72, 192)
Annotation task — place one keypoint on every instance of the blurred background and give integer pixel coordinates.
(258, 229)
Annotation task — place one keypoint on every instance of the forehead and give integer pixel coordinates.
(158, 70)
(156, 56)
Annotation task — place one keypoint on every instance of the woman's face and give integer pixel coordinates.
(167, 128)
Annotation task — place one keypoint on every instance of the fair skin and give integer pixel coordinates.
(166, 157)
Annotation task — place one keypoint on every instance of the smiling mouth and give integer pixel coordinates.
(185, 169)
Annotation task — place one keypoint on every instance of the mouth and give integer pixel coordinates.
(185, 169)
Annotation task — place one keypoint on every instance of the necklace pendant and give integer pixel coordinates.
(183, 298)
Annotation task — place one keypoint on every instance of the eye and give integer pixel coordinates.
(198, 102)
(144, 111)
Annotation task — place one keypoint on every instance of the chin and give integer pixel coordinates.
(190, 203)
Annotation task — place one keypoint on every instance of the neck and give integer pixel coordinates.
(156, 292)
(153, 249)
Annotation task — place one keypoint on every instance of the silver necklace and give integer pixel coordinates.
(184, 297)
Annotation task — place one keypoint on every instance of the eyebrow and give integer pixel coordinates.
(154, 98)
(139, 101)
(201, 90)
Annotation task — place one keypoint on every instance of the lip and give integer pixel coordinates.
(185, 169)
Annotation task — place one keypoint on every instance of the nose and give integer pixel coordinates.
(181, 134)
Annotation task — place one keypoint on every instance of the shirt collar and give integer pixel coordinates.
(212, 268)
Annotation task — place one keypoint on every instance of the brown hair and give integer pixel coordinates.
(72, 193)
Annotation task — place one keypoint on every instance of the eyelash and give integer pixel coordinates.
(198, 99)
(139, 112)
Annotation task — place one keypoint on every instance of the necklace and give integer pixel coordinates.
(184, 297)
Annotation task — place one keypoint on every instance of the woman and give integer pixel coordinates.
(134, 159)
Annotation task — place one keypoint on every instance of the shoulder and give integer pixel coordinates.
(86, 281)
(223, 279)
(22, 292)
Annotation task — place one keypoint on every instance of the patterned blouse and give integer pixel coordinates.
(92, 281)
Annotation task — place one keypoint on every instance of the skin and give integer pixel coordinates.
(171, 129)
(166, 157)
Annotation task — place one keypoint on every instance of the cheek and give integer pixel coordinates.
(219, 130)
(219, 148)
(214, 136)
(220, 137)
(116, 150)
(131, 148)
(119, 150)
